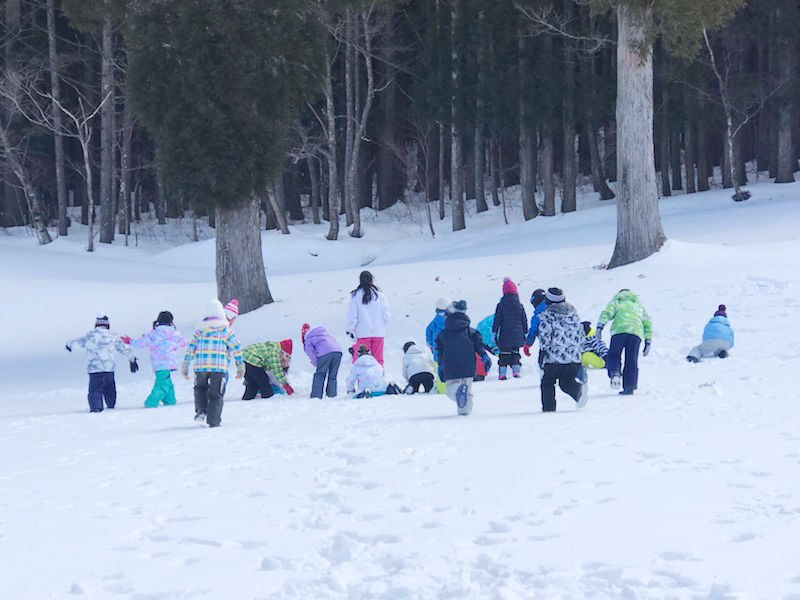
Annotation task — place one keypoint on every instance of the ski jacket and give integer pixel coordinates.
(628, 316)
(164, 342)
(510, 322)
(417, 360)
(456, 346)
(433, 329)
(319, 343)
(718, 328)
(535, 323)
(268, 357)
(561, 334)
(592, 343)
(485, 329)
(368, 320)
(366, 374)
(101, 344)
(211, 346)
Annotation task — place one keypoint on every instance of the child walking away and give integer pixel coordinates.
(510, 327)
(100, 346)
(325, 354)
(367, 317)
(539, 304)
(594, 351)
(561, 338)
(717, 337)
(630, 325)
(232, 311)
(211, 348)
(366, 377)
(433, 329)
(418, 368)
(164, 341)
(266, 364)
(456, 346)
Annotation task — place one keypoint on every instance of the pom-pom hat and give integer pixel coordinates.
(459, 306)
(721, 311)
(303, 331)
(232, 309)
(554, 295)
(509, 287)
(101, 320)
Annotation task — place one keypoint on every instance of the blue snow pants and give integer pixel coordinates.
(327, 366)
(102, 387)
(628, 343)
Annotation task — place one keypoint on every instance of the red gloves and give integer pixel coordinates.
(288, 389)
(526, 349)
(125, 339)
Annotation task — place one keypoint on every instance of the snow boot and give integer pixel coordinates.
(515, 369)
(616, 381)
(501, 373)
(583, 395)
(582, 376)
(723, 354)
(626, 393)
(200, 416)
(692, 359)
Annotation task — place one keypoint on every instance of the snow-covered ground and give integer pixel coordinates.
(688, 489)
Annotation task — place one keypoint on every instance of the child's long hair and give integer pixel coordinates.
(164, 318)
(365, 283)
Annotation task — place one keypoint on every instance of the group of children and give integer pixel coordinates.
(456, 354)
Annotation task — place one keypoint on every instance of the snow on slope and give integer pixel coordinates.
(688, 489)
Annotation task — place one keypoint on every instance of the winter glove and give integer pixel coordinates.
(351, 335)
(134, 366)
(646, 348)
(68, 348)
(598, 331)
(185, 369)
(527, 349)
(239, 370)
(288, 389)
(487, 362)
(692, 359)
(126, 339)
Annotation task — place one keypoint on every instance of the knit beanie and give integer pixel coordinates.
(232, 309)
(554, 295)
(537, 297)
(286, 346)
(459, 306)
(408, 345)
(442, 303)
(101, 320)
(509, 287)
(721, 311)
(303, 331)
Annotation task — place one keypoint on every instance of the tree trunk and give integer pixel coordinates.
(277, 200)
(479, 144)
(494, 175)
(688, 142)
(10, 207)
(58, 139)
(125, 169)
(442, 170)
(598, 176)
(548, 168)
(389, 180)
(664, 146)
(456, 159)
(610, 150)
(107, 135)
(527, 154)
(569, 167)
(350, 117)
(675, 157)
(703, 184)
(334, 206)
(639, 232)
(314, 180)
(787, 53)
(240, 264)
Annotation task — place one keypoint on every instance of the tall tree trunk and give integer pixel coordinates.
(494, 175)
(664, 145)
(10, 207)
(313, 178)
(598, 176)
(58, 139)
(389, 180)
(442, 170)
(675, 157)
(125, 169)
(688, 142)
(456, 159)
(787, 159)
(703, 175)
(548, 171)
(639, 232)
(334, 206)
(569, 170)
(527, 136)
(350, 117)
(479, 144)
(610, 150)
(277, 200)
(107, 135)
(240, 264)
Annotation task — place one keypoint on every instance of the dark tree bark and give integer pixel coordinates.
(703, 174)
(569, 167)
(58, 138)
(688, 142)
(548, 171)
(107, 135)
(675, 157)
(456, 158)
(663, 155)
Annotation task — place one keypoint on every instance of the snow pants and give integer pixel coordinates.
(628, 343)
(327, 366)
(375, 345)
(256, 380)
(710, 347)
(508, 357)
(163, 391)
(451, 387)
(421, 380)
(102, 387)
(592, 360)
(209, 388)
(565, 375)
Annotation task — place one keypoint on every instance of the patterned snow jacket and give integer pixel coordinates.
(561, 334)
(268, 357)
(456, 346)
(628, 316)
(718, 328)
(318, 343)
(592, 343)
(164, 342)
(417, 360)
(211, 346)
(510, 322)
(532, 331)
(433, 329)
(366, 374)
(101, 344)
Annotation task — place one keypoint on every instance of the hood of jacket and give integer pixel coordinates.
(456, 322)
(561, 308)
(626, 296)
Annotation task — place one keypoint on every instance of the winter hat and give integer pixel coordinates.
(232, 309)
(303, 331)
(442, 303)
(286, 346)
(164, 318)
(214, 311)
(362, 350)
(509, 287)
(721, 311)
(587, 326)
(459, 306)
(554, 295)
(537, 297)
(101, 320)
(408, 345)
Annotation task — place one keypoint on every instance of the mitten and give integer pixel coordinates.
(527, 349)
(646, 348)
(134, 366)
(68, 348)
(487, 362)
(239, 370)
(598, 331)
(692, 359)
(185, 369)
(288, 389)
(126, 339)
(351, 335)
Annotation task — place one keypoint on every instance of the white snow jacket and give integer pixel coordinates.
(417, 360)
(100, 344)
(368, 320)
(366, 374)
(561, 334)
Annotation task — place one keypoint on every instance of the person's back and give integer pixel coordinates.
(416, 360)
(319, 342)
(717, 337)
(366, 374)
(561, 334)
(457, 344)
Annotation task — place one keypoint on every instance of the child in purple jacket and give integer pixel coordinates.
(325, 354)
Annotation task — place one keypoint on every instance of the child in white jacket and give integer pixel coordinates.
(418, 368)
(367, 317)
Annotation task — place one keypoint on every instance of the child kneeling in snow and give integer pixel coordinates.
(717, 338)
(164, 341)
(418, 368)
(265, 366)
(366, 377)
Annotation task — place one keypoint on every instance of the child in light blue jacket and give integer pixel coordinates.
(717, 338)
